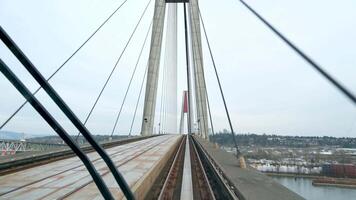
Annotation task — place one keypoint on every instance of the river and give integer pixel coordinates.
(304, 187)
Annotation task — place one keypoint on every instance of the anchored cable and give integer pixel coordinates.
(206, 92)
(220, 87)
(138, 100)
(56, 127)
(64, 63)
(114, 68)
(209, 111)
(164, 120)
(160, 125)
(317, 67)
(188, 70)
(132, 76)
(67, 111)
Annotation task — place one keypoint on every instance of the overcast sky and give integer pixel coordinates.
(269, 89)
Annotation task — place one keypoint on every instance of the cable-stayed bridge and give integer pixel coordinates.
(164, 162)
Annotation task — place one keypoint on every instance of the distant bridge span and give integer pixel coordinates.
(14, 146)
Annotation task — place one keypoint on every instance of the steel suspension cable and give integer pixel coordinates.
(317, 67)
(67, 111)
(138, 100)
(209, 111)
(161, 115)
(132, 76)
(65, 62)
(188, 69)
(56, 127)
(206, 90)
(165, 105)
(164, 121)
(114, 68)
(220, 87)
(198, 84)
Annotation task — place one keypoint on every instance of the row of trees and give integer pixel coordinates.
(225, 138)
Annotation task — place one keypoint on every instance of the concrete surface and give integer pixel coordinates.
(252, 184)
(139, 162)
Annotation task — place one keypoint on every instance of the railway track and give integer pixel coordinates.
(208, 184)
(219, 183)
(68, 179)
(172, 185)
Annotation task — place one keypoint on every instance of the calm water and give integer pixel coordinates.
(304, 187)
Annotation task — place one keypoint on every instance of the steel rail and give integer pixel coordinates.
(231, 189)
(202, 185)
(171, 180)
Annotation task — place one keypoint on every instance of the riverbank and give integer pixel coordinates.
(305, 188)
(318, 180)
(335, 182)
(311, 176)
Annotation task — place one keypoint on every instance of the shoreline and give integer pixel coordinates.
(320, 181)
(334, 185)
(293, 175)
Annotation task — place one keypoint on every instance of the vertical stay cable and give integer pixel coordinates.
(132, 76)
(56, 127)
(160, 125)
(114, 68)
(164, 121)
(238, 153)
(188, 69)
(138, 100)
(64, 63)
(211, 119)
(207, 96)
(68, 112)
(317, 67)
(198, 84)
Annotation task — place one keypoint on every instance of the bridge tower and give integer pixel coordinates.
(171, 61)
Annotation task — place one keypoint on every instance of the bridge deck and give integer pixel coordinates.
(139, 162)
(252, 184)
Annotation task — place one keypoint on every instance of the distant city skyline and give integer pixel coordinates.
(268, 88)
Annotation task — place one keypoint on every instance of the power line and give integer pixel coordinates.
(113, 69)
(65, 62)
(317, 67)
(132, 75)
